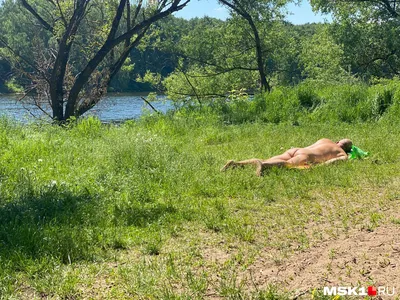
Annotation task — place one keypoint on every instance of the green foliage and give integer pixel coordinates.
(88, 127)
(143, 203)
(323, 59)
(309, 102)
(194, 84)
(368, 34)
(355, 103)
(5, 71)
(218, 57)
(279, 106)
(215, 60)
(308, 98)
(13, 87)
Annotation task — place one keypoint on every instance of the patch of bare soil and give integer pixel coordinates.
(360, 258)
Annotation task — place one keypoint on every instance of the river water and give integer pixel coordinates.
(113, 108)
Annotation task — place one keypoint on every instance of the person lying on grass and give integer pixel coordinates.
(323, 151)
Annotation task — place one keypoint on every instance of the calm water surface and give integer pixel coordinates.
(113, 108)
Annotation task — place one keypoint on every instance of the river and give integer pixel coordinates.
(113, 108)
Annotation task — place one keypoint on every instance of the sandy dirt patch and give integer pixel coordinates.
(360, 258)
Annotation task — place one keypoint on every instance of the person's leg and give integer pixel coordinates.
(276, 161)
(233, 164)
(287, 159)
(260, 164)
(272, 162)
(281, 161)
(229, 164)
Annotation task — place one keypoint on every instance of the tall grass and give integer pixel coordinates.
(105, 211)
(310, 102)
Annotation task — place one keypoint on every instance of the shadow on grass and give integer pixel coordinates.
(140, 215)
(66, 226)
(55, 223)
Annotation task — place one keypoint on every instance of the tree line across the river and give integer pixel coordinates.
(72, 52)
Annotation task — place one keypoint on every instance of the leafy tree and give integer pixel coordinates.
(371, 49)
(369, 32)
(18, 37)
(153, 55)
(220, 57)
(282, 54)
(103, 33)
(371, 9)
(255, 12)
(322, 58)
(214, 60)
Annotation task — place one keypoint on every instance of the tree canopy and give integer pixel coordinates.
(88, 43)
(67, 54)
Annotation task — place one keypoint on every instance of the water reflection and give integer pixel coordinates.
(113, 108)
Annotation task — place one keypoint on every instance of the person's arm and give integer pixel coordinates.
(336, 159)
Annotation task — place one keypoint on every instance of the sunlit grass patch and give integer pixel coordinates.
(142, 210)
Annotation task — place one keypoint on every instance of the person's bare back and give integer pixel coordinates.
(323, 151)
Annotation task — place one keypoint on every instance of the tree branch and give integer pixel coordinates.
(62, 14)
(114, 69)
(36, 15)
(257, 41)
(384, 58)
(118, 64)
(173, 8)
(128, 21)
(191, 85)
(222, 69)
(22, 57)
(390, 9)
(152, 107)
(138, 8)
(116, 21)
(204, 95)
(84, 76)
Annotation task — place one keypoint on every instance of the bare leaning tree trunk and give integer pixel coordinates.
(58, 74)
(265, 87)
(236, 7)
(80, 96)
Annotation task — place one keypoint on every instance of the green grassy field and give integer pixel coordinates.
(141, 210)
